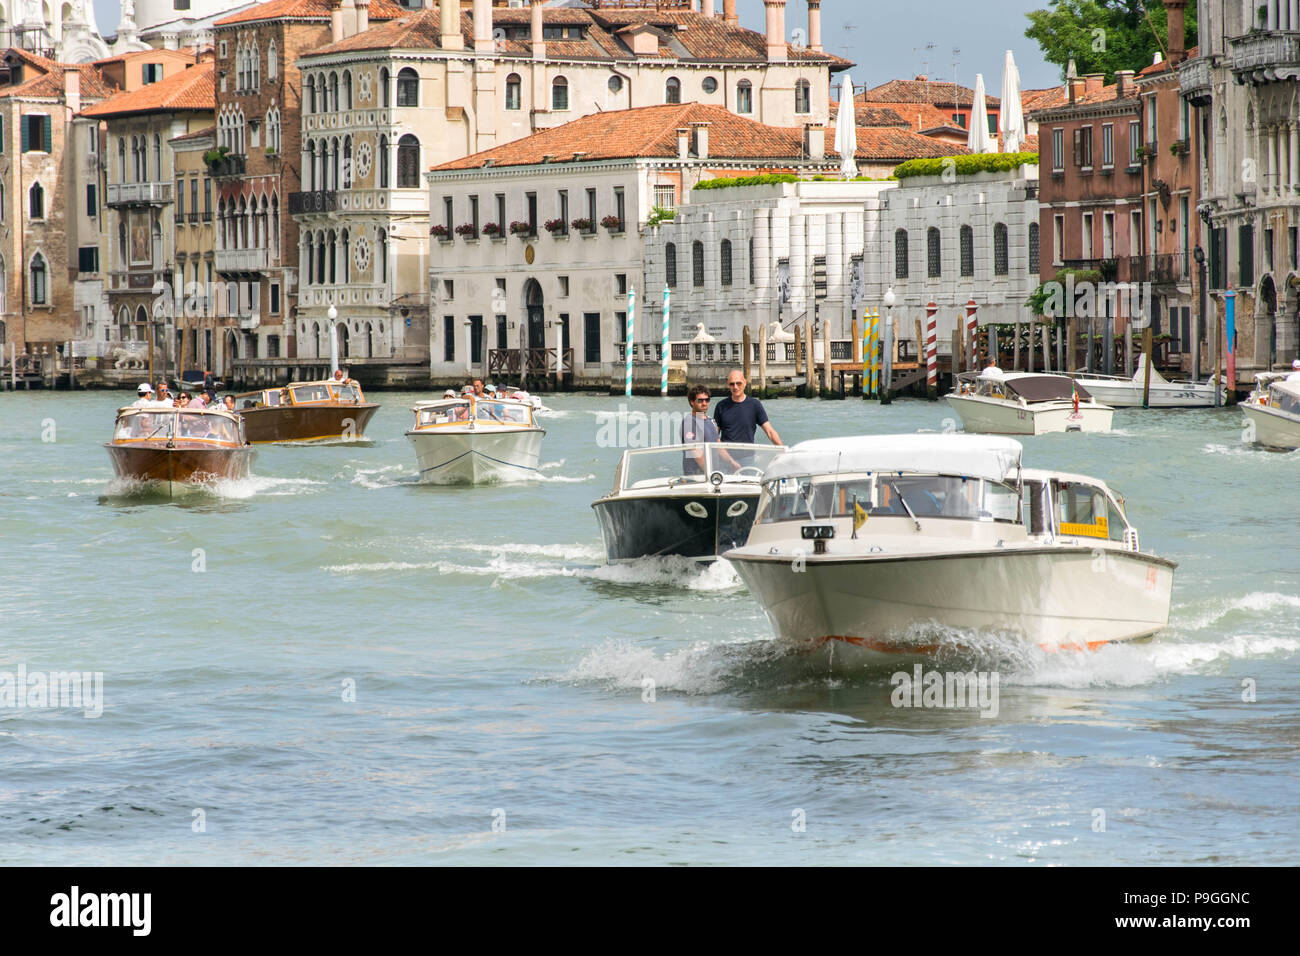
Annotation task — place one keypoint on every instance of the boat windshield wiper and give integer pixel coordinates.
(908, 508)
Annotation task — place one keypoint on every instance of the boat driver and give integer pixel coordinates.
(698, 427)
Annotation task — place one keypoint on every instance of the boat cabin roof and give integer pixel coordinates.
(1031, 386)
(975, 456)
(218, 411)
(301, 393)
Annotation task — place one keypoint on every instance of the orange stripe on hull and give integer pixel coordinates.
(892, 647)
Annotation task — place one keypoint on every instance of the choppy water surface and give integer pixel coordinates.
(500, 671)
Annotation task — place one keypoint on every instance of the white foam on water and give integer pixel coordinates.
(383, 566)
(375, 478)
(547, 466)
(702, 668)
(1214, 611)
(564, 552)
(240, 488)
(671, 571)
(565, 479)
(70, 481)
(1250, 451)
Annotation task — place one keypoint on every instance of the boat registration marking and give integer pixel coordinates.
(1098, 530)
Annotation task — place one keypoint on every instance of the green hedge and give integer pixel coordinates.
(766, 179)
(966, 165)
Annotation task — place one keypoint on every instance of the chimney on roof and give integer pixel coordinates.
(535, 31)
(336, 21)
(706, 8)
(729, 13)
(815, 25)
(363, 15)
(483, 41)
(1123, 83)
(348, 17)
(1092, 82)
(775, 29)
(701, 133)
(683, 142)
(1075, 88)
(72, 89)
(921, 78)
(814, 140)
(449, 25)
(1177, 29)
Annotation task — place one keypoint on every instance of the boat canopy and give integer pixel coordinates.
(1285, 395)
(974, 456)
(1046, 388)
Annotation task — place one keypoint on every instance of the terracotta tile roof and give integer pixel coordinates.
(48, 84)
(1042, 99)
(306, 10)
(140, 54)
(918, 116)
(923, 91)
(683, 35)
(651, 132)
(190, 89)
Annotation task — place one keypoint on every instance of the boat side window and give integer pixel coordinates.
(346, 393)
(1037, 508)
(311, 393)
(273, 398)
(1284, 402)
(946, 496)
(785, 500)
(1085, 511)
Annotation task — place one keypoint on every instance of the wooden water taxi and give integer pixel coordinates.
(178, 446)
(327, 410)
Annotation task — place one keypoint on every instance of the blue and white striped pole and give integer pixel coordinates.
(627, 338)
(663, 359)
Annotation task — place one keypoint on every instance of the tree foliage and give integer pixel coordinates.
(1105, 35)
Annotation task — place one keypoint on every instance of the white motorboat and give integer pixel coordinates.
(1120, 392)
(1273, 410)
(907, 544)
(694, 500)
(468, 440)
(1026, 403)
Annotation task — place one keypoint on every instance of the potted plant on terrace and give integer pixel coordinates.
(521, 229)
(583, 225)
(466, 230)
(492, 230)
(554, 226)
(440, 231)
(612, 223)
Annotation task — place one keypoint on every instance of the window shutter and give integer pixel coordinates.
(26, 130)
(46, 126)
(1078, 147)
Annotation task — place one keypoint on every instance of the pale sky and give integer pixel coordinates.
(887, 40)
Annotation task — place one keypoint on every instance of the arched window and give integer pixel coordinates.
(513, 88)
(933, 257)
(560, 93)
(670, 265)
(347, 162)
(310, 83)
(157, 158)
(36, 202)
(347, 89)
(121, 159)
(308, 249)
(381, 253)
(408, 87)
(744, 97)
(275, 226)
(272, 67)
(333, 244)
(967, 251)
(408, 162)
(343, 242)
(673, 90)
(383, 87)
(1000, 249)
(900, 254)
(320, 258)
(725, 264)
(121, 244)
(40, 291)
(383, 162)
(803, 97)
(157, 245)
(334, 93)
(335, 157)
(697, 263)
(1033, 248)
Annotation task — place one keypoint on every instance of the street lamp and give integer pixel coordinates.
(887, 347)
(333, 314)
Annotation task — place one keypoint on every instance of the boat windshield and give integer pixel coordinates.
(347, 393)
(1084, 510)
(444, 413)
(310, 393)
(673, 464)
(165, 425)
(1285, 397)
(927, 496)
(208, 427)
(502, 412)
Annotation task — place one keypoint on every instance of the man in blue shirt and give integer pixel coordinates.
(697, 427)
(739, 417)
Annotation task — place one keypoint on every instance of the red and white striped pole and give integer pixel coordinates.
(972, 326)
(931, 350)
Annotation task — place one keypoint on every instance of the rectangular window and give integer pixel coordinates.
(620, 327)
(591, 207)
(1108, 145)
(1135, 233)
(1246, 255)
(1086, 252)
(620, 283)
(448, 289)
(1058, 150)
(275, 298)
(207, 199)
(273, 346)
(1134, 142)
(564, 286)
(502, 337)
(591, 338)
(501, 212)
(475, 339)
(151, 73)
(564, 212)
(473, 221)
(993, 124)
(1108, 235)
(618, 205)
(449, 338)
(1086, 147)
(180, 199)
(531, 202)
(1291, 247)
(666, 196)
(36, 134)
(88, 259)
(1268, 250)
(446, 215)
(92, 201)
(1058, 240)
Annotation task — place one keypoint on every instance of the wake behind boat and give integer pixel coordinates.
(468, 440)
(178, 447)
(1120, 392)
(328, 410)
(694, 500)
(1026, 403)
(888, 543)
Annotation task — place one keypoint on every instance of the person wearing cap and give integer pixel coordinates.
(145, 391)
(450, 393)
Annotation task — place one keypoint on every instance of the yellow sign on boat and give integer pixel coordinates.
(1098, 530)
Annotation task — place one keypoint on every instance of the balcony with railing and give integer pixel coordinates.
(242, 261)
(317, 200)
(1265, 57)
(1196, 80)
(1112, 270)
(1166, 267)
(232, 164)
(139, 194)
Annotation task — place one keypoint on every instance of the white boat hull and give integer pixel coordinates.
(1053, 597)
(1126, 394)
(992, 416)
(1271, 427)
(446, 458)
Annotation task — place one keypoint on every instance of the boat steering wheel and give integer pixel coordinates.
(750, 471)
